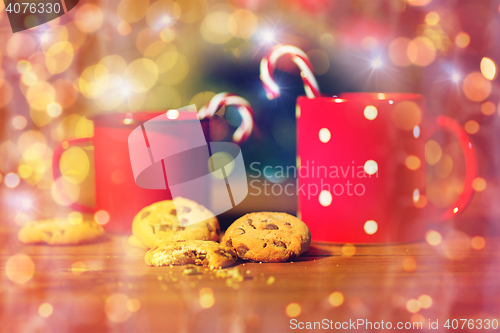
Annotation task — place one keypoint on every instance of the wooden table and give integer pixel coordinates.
(99, 287)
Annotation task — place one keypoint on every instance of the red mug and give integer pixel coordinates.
(120, 197)
(362, 170)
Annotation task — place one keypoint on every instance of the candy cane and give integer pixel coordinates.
(225, 99)
(268, 64)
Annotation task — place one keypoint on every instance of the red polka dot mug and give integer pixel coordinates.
(364, 154)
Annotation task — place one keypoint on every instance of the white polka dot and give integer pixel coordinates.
(11, 180)
(416, 131)
(371, 227)
(370, 112)
(325, 198)
(172, 114)
(371, 167)
(416, 195)
(324, 135)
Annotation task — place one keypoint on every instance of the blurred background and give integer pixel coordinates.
(135, 55)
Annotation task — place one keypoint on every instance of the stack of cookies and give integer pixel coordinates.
(166, 230)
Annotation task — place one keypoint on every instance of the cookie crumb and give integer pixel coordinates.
(230, 274)
(270, 280)
(191, 270)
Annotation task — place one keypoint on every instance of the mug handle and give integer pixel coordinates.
(469, 150)
(56, 170)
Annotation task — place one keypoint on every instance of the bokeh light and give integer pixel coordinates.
(59, 57)
(348, 250)
(74, 165)
(336, 298)
(19, 122)
(406, 115)
(488, 68)
(133, 305)
(78, 268)
(319, 61)
(433, 152)
(19, 268)
(141, 74)
(244, 24)
(45, 310)
(216, 27)
(488, 108)
(418, 2)
(94, 81)
(471, 127)
(421, 51)
(177, 71)
(89, 17)
(124, 28)
(132, 11)
(163, 13)
(413, 306)
(433, 237)
(193, 10)
(412, 162)
(398, 51)
(116, 309)
(101, 217)
(425, 301)
(445, 166)
(479, 184)
(432, 18)
(409, 264)
(11, 180)
(462, 40)
(54, 110)
(75, 218)
(207, 299)
(293, 310)
(201, 99)
(476, 87)
(478, 243)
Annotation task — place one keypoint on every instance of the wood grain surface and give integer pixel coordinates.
(106, 287)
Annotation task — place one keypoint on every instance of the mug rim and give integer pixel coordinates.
(370, 96)
(381, 95)
(117, 119)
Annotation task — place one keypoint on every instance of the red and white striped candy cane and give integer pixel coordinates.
(225, 99)
(268, 64)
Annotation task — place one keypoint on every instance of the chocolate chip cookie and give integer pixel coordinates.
(268, 237)
(165, 221)
(60, 232)
(191, 252)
